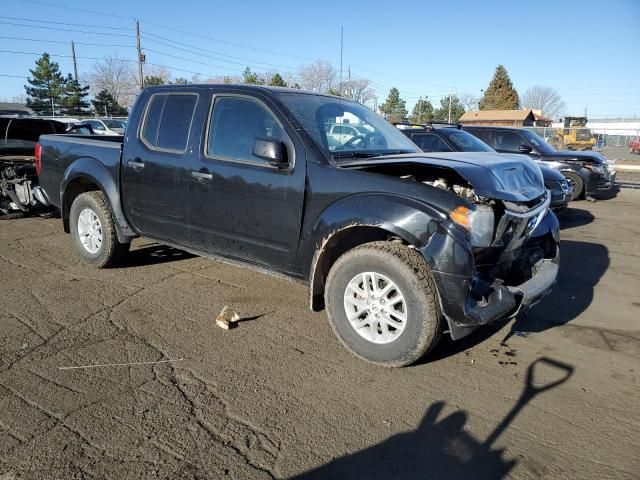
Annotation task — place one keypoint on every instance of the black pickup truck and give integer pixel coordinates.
(399, 246)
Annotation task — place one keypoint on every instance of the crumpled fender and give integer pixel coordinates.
(411, 220)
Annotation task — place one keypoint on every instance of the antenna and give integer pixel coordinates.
(341, 48)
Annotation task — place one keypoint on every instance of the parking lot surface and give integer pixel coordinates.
(552, 395)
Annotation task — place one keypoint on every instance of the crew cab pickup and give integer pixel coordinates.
(399, 246)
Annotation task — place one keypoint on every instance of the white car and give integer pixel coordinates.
(343, 132)
(106, 126)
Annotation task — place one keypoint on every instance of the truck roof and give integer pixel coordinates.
(237, 86)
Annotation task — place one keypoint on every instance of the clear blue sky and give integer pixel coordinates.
(588, 51)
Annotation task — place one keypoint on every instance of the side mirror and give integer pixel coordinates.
(270, 150)
(525, 149)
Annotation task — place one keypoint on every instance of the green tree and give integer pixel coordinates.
(500, 94)
(105, 104)
(251, 78)
(457, 109)
(422, 111)
(153, 81)
(46, 86)
(395, 108)
(334, 91)
(74, 97)
(277, 81)
(180, 81)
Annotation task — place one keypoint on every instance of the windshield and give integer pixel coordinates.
(538, 142)
(466, 142)
(115, 123)
(326, 119)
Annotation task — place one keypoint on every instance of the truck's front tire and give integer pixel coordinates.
(94, 232)
(382, 304)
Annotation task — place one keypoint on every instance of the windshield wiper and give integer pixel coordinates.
(368, 154)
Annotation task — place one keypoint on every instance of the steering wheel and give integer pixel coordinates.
(352, 140)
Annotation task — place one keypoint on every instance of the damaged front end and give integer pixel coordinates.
(497, 253)
(510, 254)
(19, 193)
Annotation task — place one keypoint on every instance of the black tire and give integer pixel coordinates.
(578, 185)
(408, 270)
(111, 250)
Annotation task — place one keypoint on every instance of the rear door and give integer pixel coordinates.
(240, 205)
(155, 170)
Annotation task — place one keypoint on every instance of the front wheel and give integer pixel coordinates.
(382, 304)
(576, 182)
(94, 232)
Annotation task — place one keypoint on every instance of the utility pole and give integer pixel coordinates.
(449, 107)
(420, 110)
(140, 56)
(349, 83)
(75, 65)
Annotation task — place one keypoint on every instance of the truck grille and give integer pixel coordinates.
(516, 225)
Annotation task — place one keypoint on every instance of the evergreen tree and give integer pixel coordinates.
(153, 81)
(74, 98)
(45, 86)
(277, 81)
(394, 107)
(500, 94)
(105, 105)
(422, 112)
(251, 77)
(457, 109)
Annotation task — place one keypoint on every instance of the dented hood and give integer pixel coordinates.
(491, 174)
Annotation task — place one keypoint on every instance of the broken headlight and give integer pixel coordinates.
(478, 222)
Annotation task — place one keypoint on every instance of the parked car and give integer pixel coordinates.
(399, 246)
(341, 133)
(589, 173)
(105, 126)
(19, 191)
(449, 137)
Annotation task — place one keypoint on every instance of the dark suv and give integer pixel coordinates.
(449, 137)
(588, 172)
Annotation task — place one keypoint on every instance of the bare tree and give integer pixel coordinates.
(358, 90)
(469, 101)
(545, 99)
(320, 76)
(117, 77)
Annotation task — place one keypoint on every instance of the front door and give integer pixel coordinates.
(240, 205)
(155, 170)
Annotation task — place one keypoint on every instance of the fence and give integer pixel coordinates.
(605, 137)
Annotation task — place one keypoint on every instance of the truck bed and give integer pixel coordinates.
(59, 151)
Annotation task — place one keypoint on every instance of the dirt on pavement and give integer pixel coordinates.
(278, 397)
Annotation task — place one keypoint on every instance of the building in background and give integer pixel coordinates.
(503, 118)
(19, 109)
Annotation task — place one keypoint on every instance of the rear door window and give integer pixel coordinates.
(428, 142)
(168, 121)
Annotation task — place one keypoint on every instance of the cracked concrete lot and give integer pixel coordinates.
(278, 397)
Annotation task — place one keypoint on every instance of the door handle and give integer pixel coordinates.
(136, 164)
(201, 176)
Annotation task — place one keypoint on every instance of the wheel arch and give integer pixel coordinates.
(379, 217)
(85, 175)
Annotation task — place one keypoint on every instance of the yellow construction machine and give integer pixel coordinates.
(574, 135)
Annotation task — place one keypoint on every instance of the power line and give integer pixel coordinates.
(66, 43)
(65, 23)
(78, 9)
(67, 29)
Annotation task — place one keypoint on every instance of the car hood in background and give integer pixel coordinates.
(491, 174)
(570, 155)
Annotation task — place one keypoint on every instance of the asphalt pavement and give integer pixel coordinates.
(122, 373)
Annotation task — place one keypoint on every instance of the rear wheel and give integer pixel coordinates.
(382, 304)
(94, 232)
(576, 183)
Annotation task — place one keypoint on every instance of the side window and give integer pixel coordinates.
(428, 142)
(235, 124)
(509, 141)
(97, 125)
(484, 135)
(168, 121)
